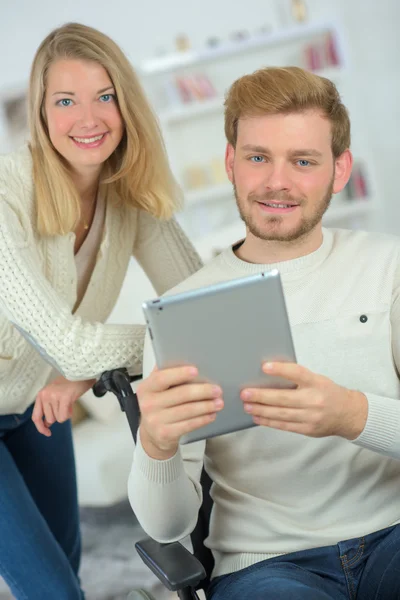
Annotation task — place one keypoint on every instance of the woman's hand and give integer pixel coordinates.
(55, 401)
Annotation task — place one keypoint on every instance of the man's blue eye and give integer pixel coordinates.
(106, 97)
(303, 163)
(257, 159)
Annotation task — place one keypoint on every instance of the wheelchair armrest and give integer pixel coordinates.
(173, 564)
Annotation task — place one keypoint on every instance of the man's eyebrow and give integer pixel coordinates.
(305, 152)
(311, 152)
(251, 148)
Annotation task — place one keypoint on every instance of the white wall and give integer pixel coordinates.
(370, 30)
(140, 27)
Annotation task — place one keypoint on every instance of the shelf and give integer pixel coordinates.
(348, 209)
(191, 58)
(208, 194)
(200, 108)
(193, 109)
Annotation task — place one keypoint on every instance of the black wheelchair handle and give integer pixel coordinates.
(99, 389)
(106, 383)
(118, 381)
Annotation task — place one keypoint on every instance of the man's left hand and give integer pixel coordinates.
(317, 407)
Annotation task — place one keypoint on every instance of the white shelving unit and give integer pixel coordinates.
(180, 60)
(15, 133)
(208, 194)
(194, 130)
(193, 110)
(351, 209)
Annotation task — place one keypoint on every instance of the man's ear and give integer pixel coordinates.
(229, 159)
(343, 167)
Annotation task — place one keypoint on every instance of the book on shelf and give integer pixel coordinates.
(357, 187)
(185, 89)
(322, 54)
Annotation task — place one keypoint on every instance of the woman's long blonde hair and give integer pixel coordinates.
(137, 172)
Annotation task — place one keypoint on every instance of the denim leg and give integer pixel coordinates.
(48, 468)
(366, 568)
(380, 579)
(40, 541)
(286, 582)
(310, 575)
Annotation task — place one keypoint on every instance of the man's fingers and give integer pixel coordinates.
(273, 413)
(193, 410)
(284, 398)
(191, 392)
(180, 429)
(178, 399)
(291, 371)
(161, 380)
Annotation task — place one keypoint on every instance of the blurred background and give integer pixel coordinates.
(187, 54)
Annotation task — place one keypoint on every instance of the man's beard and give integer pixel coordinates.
(269, 229)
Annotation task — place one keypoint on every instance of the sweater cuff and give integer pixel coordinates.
(381, 432)
(158, 471)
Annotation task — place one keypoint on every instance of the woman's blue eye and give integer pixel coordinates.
(304, 163)
(65, 102)
(106, 97)
(257, 159)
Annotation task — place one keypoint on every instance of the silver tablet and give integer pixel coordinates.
(226, 330)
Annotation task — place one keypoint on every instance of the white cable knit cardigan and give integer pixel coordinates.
(38, 287)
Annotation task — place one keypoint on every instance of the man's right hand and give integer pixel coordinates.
(171, 405)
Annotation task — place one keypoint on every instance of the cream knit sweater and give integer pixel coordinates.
(277, 492)
(38, 289)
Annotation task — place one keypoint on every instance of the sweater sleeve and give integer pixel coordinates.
(164, 252)
(382, 430)
(166, 495)
(78, 349)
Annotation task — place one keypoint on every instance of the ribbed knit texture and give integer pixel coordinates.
(38, 289)
(277, 492)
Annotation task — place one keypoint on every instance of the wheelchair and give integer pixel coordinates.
(176, 568)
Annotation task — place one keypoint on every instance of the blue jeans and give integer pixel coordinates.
(40, 543)
(366, 568)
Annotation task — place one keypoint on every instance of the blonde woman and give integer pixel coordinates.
(92, 189)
